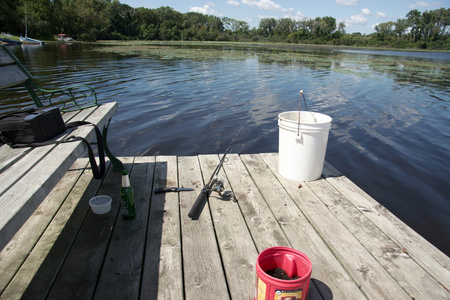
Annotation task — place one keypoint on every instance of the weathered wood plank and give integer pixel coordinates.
(11, 75)
(16, 251)
(78, 276)
(326, 268)
(19, 201)
(121, 272)
(264, 228)
(78, 115)
(163, 272)
(330, 171)
(80, 254)
(16, 171)
(203, 270)
(38, 272)
(372, 278)
(34, 155)
(5, 59)
(8, 156)
(237, 249)
(20, 168)
(425, 254)
(415, 280)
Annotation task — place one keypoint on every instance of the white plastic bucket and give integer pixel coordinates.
(302, 147)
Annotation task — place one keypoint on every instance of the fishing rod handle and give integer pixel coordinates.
(198, 202)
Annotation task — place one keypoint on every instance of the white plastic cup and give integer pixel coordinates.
(100, 204)
(302, 147)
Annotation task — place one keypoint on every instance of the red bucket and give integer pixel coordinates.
(293, 263)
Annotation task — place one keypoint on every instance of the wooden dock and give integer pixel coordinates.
(358, 249)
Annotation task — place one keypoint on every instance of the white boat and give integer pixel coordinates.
(26, 39)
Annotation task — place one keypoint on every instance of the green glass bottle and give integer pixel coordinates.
(127, 196)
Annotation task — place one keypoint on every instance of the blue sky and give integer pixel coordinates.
(358, 15)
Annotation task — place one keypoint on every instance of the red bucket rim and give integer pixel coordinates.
(278, 249)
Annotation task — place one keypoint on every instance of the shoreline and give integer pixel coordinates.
(253, 44)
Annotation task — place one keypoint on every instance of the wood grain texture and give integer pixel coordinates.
(17, 250)
(5, 59)
(121, 271)
(372, 278)
(410, 275)
(436, 263)
(236, 245)
(29, 180)
(263, 226)
(38, 272)
(163, 273)
(11, 75)
(303, 236)
(203, 271)
(88, 251)
(64, 251)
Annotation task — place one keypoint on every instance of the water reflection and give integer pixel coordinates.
(406, 67)
(390, 113)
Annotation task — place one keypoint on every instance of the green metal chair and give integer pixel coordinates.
(71, 98)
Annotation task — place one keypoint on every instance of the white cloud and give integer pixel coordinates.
(418, 4)
(233, 2)
(206, 9)
(266, 17)
(366, 11)
(266, 5)
(298, 16)
(381, 15)
(359, 19)
(347, 2)
(356, 20)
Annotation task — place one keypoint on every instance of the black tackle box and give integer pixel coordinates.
(32, 125)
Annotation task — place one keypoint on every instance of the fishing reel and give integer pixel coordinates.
(217, 185)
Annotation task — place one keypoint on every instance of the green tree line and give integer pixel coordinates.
(91, 20)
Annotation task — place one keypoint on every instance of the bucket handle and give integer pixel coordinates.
(299, 110)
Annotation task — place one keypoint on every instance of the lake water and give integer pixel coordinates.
(391, 120)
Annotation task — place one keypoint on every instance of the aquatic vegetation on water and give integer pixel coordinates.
(168, 52)
(365, 65)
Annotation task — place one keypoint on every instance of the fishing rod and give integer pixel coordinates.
(214, 184)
